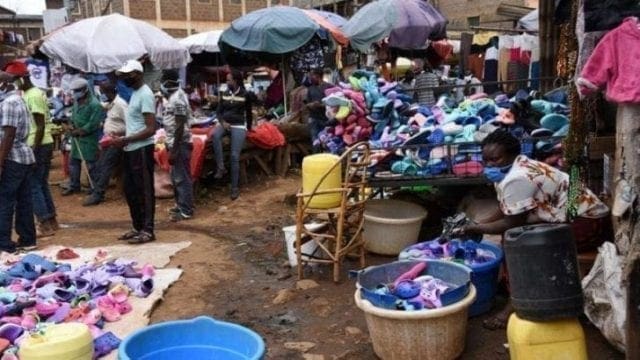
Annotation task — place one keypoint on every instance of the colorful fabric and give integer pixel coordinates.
(36, 101)
(14, 113)
(614, 65)
(535, 187)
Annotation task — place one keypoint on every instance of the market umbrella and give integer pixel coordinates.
(102, 44)
(275, 30)
(407, 23)
(331, 22)
(203, 42)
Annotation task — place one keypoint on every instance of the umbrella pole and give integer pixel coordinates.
(284, 86)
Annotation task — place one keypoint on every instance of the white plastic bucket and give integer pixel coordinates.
(308, 248)
(391, 225)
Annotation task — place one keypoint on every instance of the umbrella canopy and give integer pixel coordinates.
(203, 42)
(407, 23)
(331, 22)
(275, 30)
(102, 44)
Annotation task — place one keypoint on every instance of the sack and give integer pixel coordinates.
(605, 300)
(266, 136)
(162, 183)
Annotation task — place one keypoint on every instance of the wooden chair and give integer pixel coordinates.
(343, 235)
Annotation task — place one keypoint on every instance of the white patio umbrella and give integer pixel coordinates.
(102, 44)
(203, 42)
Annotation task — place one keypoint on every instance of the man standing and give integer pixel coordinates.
(426, 80)
(114, 126)
(41, 142)
(16, 166)
(175, 119)
(86, 117)
(317, 115)
(138, 154)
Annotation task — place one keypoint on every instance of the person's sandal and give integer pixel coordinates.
(143, 237)
(128, 235)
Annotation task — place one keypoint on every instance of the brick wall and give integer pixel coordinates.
(177, 33)
(142, 9)
(117, 6)
(202, 11)
(457, 11)
(173, 9)
(255, 5)
(232, 9)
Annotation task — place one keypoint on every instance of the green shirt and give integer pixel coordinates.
(87, 117)
(36, 101)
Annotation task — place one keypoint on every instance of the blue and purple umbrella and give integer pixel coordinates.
(408, 24)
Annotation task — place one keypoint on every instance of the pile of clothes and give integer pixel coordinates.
(462, 252)
(35, 292)
(426, 141)
(414, 291)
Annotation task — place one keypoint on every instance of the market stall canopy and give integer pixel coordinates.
(102, 44)
(407, 23)
(275, 30)
(529, 22)
(203, 42)
(331, 22)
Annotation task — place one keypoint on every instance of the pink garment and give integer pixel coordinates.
(614, 64)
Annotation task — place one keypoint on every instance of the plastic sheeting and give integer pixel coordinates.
(102, 44)
(605, 299)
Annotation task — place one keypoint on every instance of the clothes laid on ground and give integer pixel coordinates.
(35, 291)
(614, 65)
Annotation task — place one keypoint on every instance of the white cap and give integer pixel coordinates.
(130, 66)
(78, 84)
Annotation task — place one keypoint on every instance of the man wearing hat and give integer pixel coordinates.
(138, 154)
(41, 141)
(16, 163)
(86, 116)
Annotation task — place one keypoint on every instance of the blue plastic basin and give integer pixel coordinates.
(199, 338)
(483, 276)
(452, 273)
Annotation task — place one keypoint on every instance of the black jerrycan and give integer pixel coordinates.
(543, 272)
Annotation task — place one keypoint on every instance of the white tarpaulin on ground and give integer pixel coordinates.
(102, 44)
(605, 299)
(201, 42)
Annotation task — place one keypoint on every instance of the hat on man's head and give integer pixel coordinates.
(79, 84)
(129, 67)
(16, 68)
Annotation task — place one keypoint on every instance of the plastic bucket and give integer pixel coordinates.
(391, 225)
(371, 277)
(308, 248)
(417, 335)
(199, 338)
(483, 276)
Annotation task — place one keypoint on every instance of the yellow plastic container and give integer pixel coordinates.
(70, 341)
(313, 168)
(554, 340)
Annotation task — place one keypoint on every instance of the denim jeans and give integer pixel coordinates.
(75, 171)
(109, 159)
(16, 199)
(43, 205)
(237, 143)
(181, 179)
(138, 187)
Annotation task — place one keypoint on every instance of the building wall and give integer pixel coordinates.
(143, 9)
(54, 4)
(459, 11)
(203, 10)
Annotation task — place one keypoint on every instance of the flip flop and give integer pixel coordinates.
(119, 293)
(60, 314)
(105, 343)
(128, 235)
(11, 332)
(143, 237)
(37, 260)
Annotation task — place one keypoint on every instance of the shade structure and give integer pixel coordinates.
(407, 23)
(274, 30)
(203, 42)
(102, 44)
(331, 22)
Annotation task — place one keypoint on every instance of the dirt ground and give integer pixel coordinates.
(235, 267)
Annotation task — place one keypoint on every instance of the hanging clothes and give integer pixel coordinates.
(38, 72)
(491, 69)
(308, 56)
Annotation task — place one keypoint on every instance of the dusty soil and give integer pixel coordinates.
(235, 267)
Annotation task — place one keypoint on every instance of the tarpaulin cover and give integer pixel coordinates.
(407, 23)
(331, 22)
(103, 44)
(275, 30)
